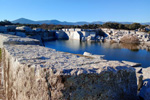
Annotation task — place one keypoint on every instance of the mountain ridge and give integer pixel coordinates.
(57, 22)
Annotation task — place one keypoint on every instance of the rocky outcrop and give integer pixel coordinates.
(33, 72)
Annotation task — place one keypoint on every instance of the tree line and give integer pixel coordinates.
(123, 26)
(5, 22)
(89, 26)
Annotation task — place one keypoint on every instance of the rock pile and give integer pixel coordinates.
(129, 36)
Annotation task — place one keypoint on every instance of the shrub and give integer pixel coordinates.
(130, 39)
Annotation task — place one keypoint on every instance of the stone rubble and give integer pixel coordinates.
(116, 35)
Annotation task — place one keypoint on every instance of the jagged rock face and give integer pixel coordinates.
(33, 72)
(130, 39)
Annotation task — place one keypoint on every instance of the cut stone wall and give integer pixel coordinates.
(33, 72)
(12, 39)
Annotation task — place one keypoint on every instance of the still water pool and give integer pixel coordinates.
(114, 51)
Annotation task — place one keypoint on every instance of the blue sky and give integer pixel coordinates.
(76, 10)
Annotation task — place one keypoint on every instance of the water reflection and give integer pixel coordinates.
(132, 47)
(115, 51)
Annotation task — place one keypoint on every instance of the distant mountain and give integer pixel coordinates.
(148, 23)
(49, 22)
(56, 22)
(24, 21)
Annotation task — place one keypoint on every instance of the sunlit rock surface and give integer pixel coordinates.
(12, 39)
(33, 72)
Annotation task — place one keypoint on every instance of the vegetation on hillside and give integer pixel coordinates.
(123, 26)
(5, 22)
(90, 26)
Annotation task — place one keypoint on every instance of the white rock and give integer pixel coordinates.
(87, 54)
(94, 56)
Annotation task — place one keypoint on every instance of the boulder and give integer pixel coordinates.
(94, 56)
(87, 54)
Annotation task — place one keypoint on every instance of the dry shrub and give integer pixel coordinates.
(130, 39)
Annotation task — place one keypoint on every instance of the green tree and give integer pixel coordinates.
(121, 26)
(134, 26)
(5, 22)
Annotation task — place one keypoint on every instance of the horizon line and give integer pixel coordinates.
(74, 21)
